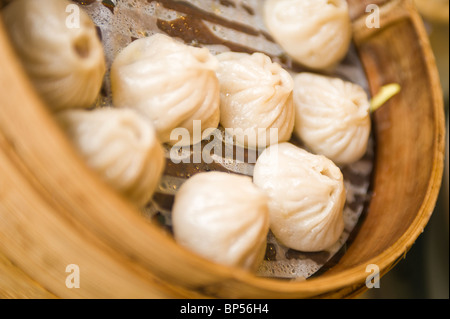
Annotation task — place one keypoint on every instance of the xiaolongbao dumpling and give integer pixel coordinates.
(315, 33)
(256, 99)
(65, 62)
(307, 197)
(222, 217)
(171, 83)
(121, 146)
(332, 117)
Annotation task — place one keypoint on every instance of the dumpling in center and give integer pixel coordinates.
(256, 104)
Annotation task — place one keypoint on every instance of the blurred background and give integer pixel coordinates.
(424, 273)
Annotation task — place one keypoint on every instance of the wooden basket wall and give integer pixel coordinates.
(54, 212)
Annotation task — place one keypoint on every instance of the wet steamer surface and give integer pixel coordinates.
(226, 25)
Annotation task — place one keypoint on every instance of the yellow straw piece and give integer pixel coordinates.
(386, 93)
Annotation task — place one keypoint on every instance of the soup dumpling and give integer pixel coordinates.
(315, 33)
(222, 217)
(332, 117)
(121, 146)
(65, 63)
(256, 99)
(306, 197)
(169, 82)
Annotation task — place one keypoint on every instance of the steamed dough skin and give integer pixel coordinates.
(121, 146)
(65, 64)
(332, 117)
(315, 33)
(306, 197)
(256, 99)
(222, 217)
(169, 82)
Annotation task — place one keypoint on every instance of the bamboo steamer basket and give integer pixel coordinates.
(55, 212)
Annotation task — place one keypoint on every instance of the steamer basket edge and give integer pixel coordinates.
(92, 227)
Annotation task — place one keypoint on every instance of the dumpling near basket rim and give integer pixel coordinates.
(222, 217)
(332, 117)
(306, 196)
(315, 33)
(65, 64)
(121, 146)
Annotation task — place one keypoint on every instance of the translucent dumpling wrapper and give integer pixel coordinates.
(332, 117)
(315, 33)
(256, 99)
(306, 197)
(171, 83)
(121, 146)
(59, 47)
(222, 217)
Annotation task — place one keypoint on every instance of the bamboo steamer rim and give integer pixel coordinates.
(30, 155)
